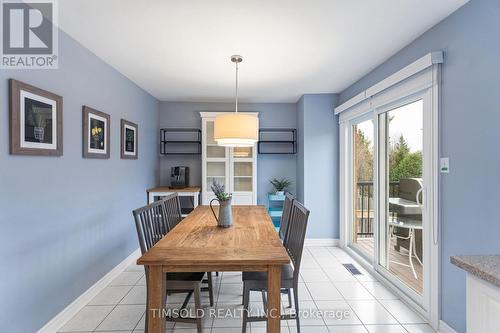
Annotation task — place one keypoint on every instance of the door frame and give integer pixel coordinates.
(428, 84)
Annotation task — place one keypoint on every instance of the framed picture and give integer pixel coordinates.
(128, 138)
(36, 120)
(96, 132)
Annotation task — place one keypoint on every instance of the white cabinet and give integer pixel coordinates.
(483, 306)
(236, 168)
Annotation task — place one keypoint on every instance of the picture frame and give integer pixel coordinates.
(129, 140)
(35, 120)
(96, 133)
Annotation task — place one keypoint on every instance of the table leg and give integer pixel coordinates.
(156, 299)
(274, 299)
(196, 200)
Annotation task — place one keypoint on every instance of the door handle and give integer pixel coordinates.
(434, 225)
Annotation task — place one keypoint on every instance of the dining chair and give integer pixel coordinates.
(172, 206)
(257, 281)
(151, 225)
(285, 217)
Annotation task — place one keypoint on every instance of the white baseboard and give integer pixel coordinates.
(445, 328)
(321, 242)
(65, 315)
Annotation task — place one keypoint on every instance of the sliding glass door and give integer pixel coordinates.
(386, 188)
(401, 224)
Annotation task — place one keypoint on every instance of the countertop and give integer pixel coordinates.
(485, 267)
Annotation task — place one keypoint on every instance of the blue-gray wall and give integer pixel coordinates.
(317, 163)
(469, 132)
(66, 221)
(186, 114)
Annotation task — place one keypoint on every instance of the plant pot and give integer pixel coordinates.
(39, 133)
(225, 219)
(281, 193)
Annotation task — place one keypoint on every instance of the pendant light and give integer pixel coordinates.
(236, 129)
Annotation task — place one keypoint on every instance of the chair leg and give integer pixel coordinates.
(187, 299)
(197, 307)
(210, 288)
(246, 299)
(296, 301)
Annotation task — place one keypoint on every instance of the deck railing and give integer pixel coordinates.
(364, 212)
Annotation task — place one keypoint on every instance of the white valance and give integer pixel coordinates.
(413, 78)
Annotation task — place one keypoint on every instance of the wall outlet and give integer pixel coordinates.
(444, 165)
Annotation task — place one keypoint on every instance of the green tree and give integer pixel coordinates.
(409, 167)
(402, 163)
(363, 157)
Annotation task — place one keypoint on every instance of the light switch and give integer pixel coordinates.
(444, 165)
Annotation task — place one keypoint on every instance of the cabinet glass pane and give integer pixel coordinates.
(218, 180)
(210, 133)
(243, 169)
(216, 151)
(216, 169)
(242, 152)
(243, 184)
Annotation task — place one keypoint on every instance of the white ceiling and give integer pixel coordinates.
(180, 50)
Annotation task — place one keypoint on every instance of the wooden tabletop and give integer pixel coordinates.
(197, 241)
(193, 189)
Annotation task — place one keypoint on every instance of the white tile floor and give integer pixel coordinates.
(325, 286)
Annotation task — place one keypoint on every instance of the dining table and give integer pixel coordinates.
(197, 244)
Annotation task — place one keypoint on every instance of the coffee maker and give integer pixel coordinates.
(179, 177)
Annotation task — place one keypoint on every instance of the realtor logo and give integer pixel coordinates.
(29, 34)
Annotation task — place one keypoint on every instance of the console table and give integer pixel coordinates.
(192, 191)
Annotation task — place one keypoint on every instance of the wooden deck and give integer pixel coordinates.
(402, 272)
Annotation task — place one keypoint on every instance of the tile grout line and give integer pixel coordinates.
(114, 307)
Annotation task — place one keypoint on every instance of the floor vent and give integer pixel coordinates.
(352, 269)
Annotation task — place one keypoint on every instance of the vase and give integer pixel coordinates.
(225, 219)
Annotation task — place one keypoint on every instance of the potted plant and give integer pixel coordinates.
(280, 185)
(38, 121)
(225, 219)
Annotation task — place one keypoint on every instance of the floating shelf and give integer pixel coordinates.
(180, 141)
(277, 141)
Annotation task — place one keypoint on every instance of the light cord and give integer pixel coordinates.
(236, 86)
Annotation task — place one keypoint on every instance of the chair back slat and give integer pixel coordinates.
(172, 208)
(285, 217)
(296, 235)
(151, 224)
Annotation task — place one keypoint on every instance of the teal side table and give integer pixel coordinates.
(275, 208)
